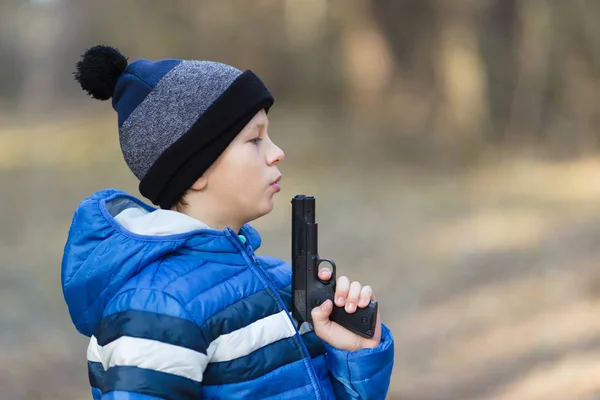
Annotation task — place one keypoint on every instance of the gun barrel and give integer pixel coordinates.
(301, 259)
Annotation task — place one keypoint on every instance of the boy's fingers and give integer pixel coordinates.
(341, 290)
(320, 314)
(366, 294)
(325, 274)
(353, 295)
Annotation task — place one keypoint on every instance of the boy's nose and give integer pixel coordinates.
(277, 155)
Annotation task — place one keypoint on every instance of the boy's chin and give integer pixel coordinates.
(262, 211)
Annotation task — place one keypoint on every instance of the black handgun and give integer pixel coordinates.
(308, 291)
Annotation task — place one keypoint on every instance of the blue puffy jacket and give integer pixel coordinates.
(176, 310)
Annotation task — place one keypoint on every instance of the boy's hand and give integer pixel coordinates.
(350, 295)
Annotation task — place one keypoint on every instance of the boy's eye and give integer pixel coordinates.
(255, 140)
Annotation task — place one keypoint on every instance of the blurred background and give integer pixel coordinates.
(452, 147)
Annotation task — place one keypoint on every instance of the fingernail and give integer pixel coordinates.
(350, 307)
(340, 301)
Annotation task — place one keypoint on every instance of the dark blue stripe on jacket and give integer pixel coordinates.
(240, 314)
(261, 361)
(151, 383)
(95, 374)
(254, 365)
(149, 325)
(314, 345)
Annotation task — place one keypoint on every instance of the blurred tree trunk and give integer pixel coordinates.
(366, 59)
(308, 55)
(408, 26)
(37, 40)
(498, 34)
(571, 119)
(460, 72)
(9, 79)
(535, 45)
(586, 16)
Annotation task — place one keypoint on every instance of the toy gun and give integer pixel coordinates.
(308, 291)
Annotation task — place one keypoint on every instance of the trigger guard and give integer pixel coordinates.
(331, 280)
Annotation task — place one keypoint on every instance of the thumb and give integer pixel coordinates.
(320, 315)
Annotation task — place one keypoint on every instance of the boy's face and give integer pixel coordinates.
(242, 182)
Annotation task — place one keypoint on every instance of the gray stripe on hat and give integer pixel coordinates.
(170, 110)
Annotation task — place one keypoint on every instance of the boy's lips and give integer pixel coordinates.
(275, 184)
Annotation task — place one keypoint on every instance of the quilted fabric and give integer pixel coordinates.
(197, 315)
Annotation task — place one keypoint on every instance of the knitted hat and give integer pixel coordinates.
(175, 116)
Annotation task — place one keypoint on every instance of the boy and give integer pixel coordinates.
(174, 300)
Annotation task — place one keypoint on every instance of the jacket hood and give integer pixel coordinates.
(113, 236)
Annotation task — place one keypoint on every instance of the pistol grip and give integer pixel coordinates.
(362, 321)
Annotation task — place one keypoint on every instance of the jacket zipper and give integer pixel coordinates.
(247, 250)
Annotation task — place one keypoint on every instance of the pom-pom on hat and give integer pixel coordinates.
(175, 116)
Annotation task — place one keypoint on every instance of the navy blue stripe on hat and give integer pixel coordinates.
(151, 383)
(138, 80)
(255, 364)
(149, 325)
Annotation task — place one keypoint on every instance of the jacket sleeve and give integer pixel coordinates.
(364, 374)
(147, 347)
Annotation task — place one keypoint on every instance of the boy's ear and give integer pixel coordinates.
(200, 183)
